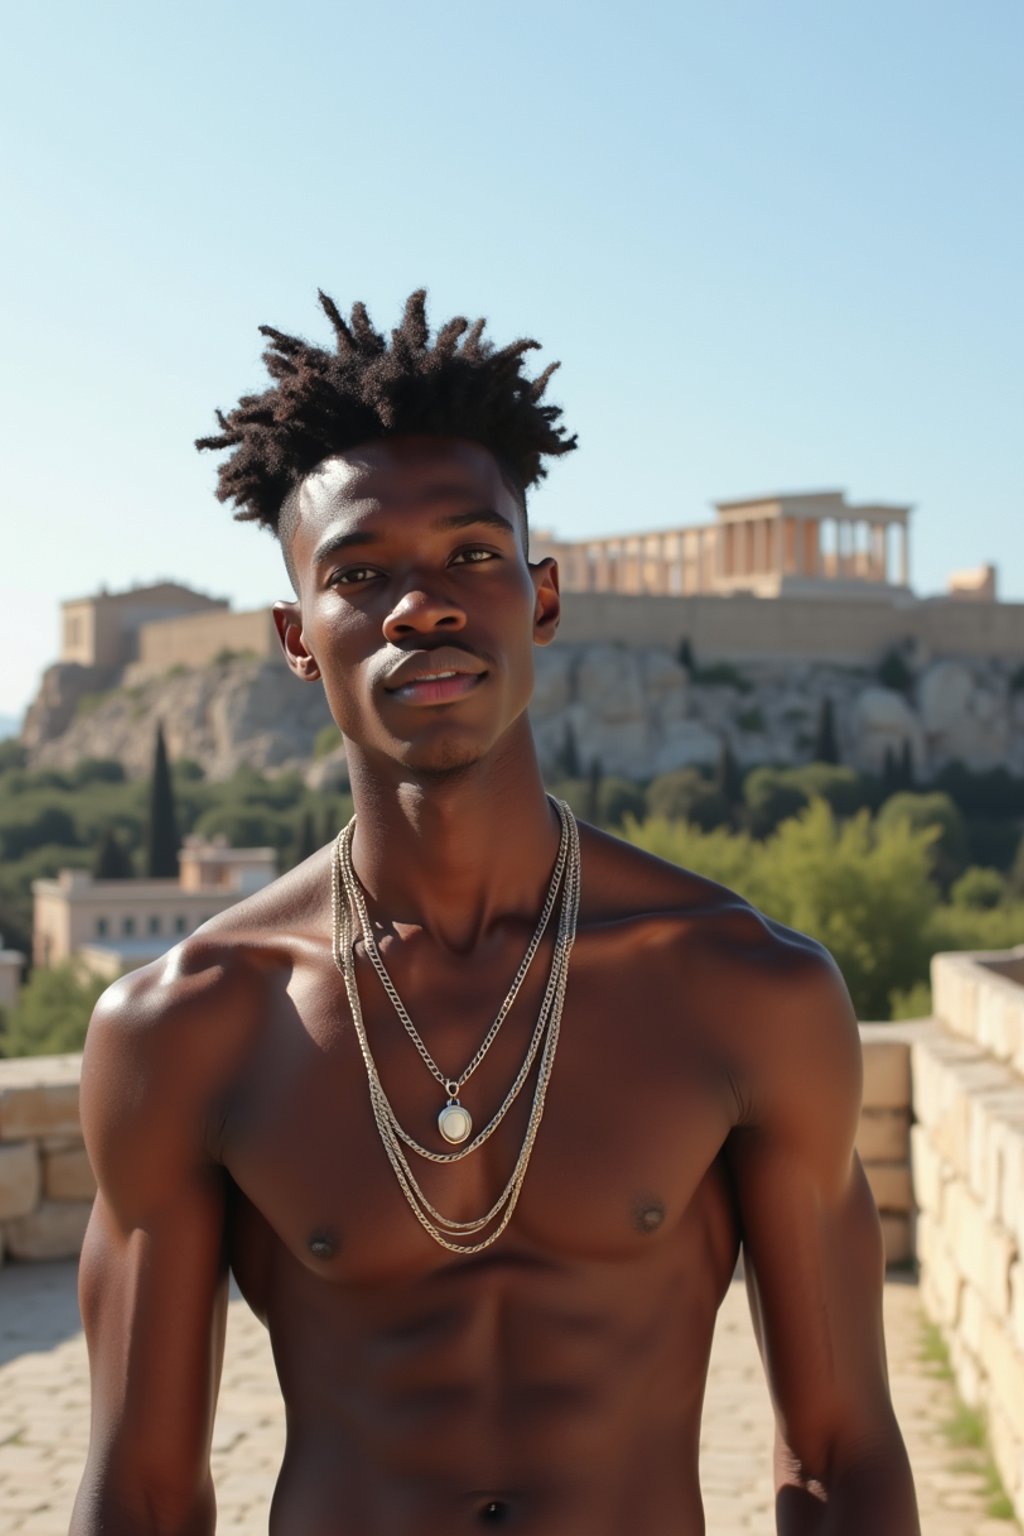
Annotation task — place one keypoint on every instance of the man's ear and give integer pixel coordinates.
(547, 607)
(288, 619)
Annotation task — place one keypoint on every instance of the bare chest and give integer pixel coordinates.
(626, 1156)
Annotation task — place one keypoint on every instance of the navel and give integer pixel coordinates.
(648, 1214)
(494, 1512)
(323, 1243)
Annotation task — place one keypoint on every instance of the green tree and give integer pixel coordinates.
(894, 671)
(973, 928)
(162, 832)
(1016, 877)
(569, 757)
(305, 840)
(618, 799)
(52, 1012)
(979, 888)
(729, 858)
(906, 765)
(12, 754)
(594, 777)
(826, 748)
(844, 789)
(30, 821)
(112, 859)
(685, 794)
(327, 738)
(862, 890)
(248, 826)
(98, 770)
(728, 775)
(684, 655)
(770, 795)
(949, 853)
(913, 1002)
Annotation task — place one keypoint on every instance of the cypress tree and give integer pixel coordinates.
(890, 776)
(305, 841)
(592, 803)
(112, 862)
(330, 826)
(906, 766)
(684, 655)
(728, 778)
(570, 753)
(162, 842)
(826, 748)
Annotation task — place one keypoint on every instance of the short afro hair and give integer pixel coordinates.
(322, 403)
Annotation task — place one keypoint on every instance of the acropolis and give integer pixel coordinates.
(772, 546)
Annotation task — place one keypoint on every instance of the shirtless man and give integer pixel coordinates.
(541, 1366)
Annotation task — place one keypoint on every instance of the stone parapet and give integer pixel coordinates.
(883, 1138)
(967, 1157)
(980, 996)
(46, 1184)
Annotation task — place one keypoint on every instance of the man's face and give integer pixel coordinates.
(409, 559)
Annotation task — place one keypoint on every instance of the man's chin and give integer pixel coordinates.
(447, 764)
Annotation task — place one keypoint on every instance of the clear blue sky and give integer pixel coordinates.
(776, 246)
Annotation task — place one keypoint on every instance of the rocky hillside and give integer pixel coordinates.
(639, 712)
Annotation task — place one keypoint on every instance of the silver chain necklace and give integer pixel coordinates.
(454, 1121)
(392, 1133)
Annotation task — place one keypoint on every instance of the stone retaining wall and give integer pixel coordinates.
(46, 1184)
(968, 1170)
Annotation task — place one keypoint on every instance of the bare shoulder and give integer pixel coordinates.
(166, 1042)
(774, 996)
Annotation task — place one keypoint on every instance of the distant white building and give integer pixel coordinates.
(114, 926)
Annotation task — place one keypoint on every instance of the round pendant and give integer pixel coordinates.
(454, 1122)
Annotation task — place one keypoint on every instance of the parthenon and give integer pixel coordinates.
(810, 542)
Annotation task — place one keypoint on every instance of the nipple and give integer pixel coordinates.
(649, 1215)
(323, 1244)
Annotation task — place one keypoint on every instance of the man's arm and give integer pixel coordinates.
(153, 1276)
(813, 1255)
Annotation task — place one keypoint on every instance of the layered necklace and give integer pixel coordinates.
(454, 1120)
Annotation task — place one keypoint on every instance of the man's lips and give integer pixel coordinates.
(434, 677)
(437, 690)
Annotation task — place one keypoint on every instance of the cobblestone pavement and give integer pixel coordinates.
(44, 1418)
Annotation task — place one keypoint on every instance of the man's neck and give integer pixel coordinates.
(455, 857)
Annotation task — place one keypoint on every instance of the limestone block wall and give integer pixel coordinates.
(883, 1139)
(46, 1184)
(848, 630)
(968, 1169)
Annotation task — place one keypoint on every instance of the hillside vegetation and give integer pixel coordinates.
(883, 876)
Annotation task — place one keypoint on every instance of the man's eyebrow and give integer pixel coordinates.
(487, 517)
(484, 517)
(336, 541)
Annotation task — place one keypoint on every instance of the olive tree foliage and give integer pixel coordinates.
(980, 889)
(684, 794)
(52, 1012)
(935, 809)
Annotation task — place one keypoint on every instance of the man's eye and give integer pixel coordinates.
(470, 554)
(355, 573)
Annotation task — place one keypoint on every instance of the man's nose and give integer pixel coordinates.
(419, 611)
